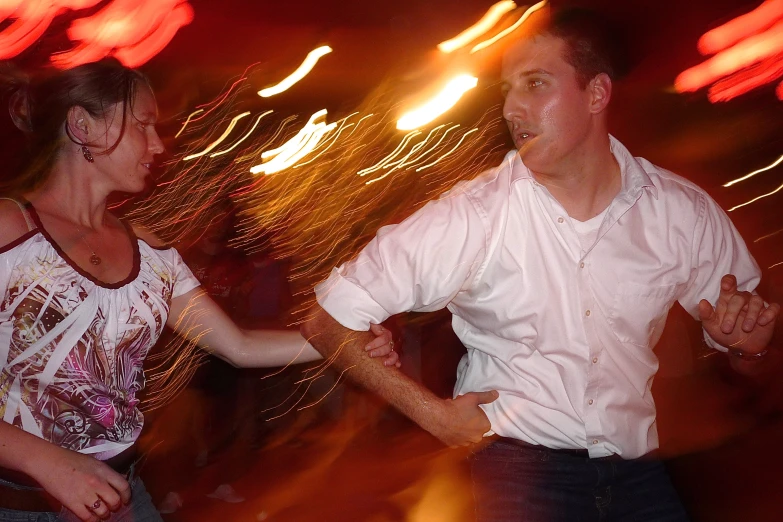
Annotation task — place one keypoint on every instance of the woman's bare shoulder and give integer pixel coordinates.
(13, 223)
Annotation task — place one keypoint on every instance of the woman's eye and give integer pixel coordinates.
(535, 83)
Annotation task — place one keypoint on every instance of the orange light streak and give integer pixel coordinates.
(490, 18)
(243, 138)
(502, 34)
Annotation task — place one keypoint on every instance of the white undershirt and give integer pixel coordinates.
(588, 230)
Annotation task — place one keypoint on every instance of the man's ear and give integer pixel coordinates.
(80, 124)
(600, 93)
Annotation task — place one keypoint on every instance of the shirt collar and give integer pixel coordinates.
(634, 176)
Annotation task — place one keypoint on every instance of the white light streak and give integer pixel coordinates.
(219, 140)
(301, 71)
(748, 176)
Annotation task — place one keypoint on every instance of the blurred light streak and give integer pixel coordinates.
(303, 143)
(218, 141)
(403, 143)
(492, 16)
(486, 43)
(744, 54)
(734, 31)
(757, 198)
(449, 153)
(307, 65)
(132, 30)
(776, 264)
(434, 147)
(243, 138)
(768, 235)
(140, 53)
(336, 382)
(759, 171)
(328, 145)
(442, 102)
(749, 78)
(188, 121)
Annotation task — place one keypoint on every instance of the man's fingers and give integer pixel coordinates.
(752, 311)
(486, 397)
(728, 284)
(734, 307)
(706, 310)
(769, 315)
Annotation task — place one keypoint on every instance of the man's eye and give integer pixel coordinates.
(535, 83)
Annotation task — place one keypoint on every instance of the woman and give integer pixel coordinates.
(85, 296)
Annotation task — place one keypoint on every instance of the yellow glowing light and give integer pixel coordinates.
(493, 15)
(307, 65)
(748, 176)
(443, 101)
(305, 141)
(219, 140)
(243, 138)
(486, 43)
(756, 199)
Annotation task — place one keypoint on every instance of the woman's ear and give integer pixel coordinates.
(601, 91)
(79, 124)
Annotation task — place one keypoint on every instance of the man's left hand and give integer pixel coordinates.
(740, 320)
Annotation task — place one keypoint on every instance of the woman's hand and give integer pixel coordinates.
(383, 345)
(83, 484)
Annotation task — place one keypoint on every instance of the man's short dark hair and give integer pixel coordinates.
(593, 44)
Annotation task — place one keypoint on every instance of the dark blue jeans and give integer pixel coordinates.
(517, 483)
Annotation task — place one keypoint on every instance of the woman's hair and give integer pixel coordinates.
(39, 105)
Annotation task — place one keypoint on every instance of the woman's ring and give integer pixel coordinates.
(96, 504)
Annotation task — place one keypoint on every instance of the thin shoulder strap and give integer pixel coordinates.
(25, 213)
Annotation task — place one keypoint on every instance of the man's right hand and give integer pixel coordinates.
(460, 421)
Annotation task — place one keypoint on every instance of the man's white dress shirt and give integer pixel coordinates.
(564, 333)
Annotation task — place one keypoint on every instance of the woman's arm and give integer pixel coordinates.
(75, 480)
(198, 318)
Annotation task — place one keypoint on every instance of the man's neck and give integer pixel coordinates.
(587, 185)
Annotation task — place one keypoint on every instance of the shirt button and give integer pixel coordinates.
(595, 360)
(587, 313)
(560, 220)
(581, 265)
(590, 402)
(595, 441)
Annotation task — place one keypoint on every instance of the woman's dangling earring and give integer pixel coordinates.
(87, 154)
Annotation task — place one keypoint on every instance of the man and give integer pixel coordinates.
(559, 267)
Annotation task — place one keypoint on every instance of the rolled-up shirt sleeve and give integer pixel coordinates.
(417, 265)
(718, 249)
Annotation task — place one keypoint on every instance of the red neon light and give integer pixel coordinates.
(132, 30)
(748, 53)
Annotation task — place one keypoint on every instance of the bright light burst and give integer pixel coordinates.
(442, 102)
(302, 144)
(492, 16)
(307, 66)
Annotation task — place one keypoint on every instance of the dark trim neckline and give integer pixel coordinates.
(134, 273)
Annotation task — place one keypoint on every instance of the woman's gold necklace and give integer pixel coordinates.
(94, 258)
